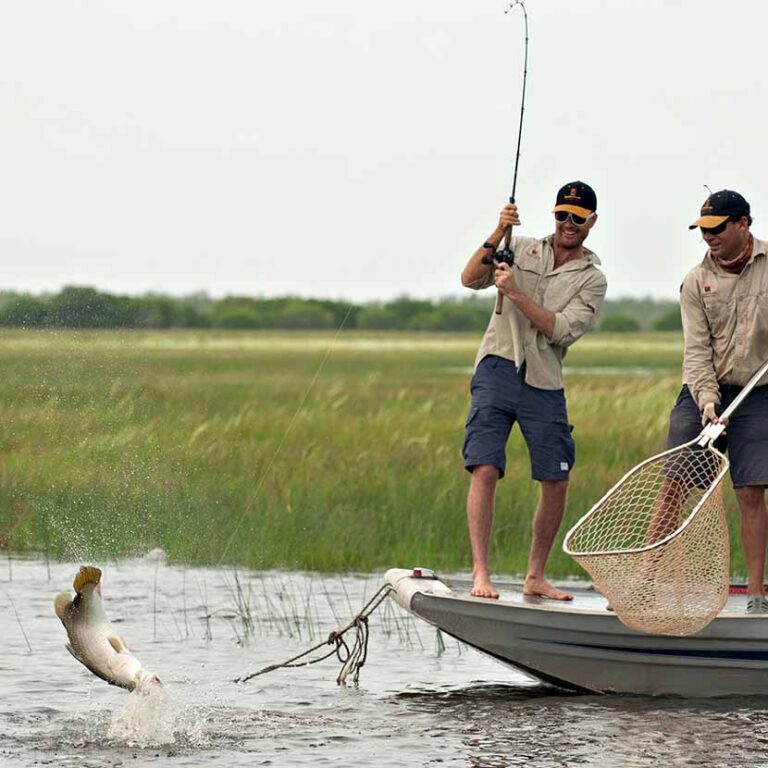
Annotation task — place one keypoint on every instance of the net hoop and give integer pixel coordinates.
(598, 505)
(656, 544)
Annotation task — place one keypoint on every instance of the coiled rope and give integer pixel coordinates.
(351, 658)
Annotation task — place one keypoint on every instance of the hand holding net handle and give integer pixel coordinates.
(713, 430)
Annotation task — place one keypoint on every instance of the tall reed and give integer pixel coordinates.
(117, 442)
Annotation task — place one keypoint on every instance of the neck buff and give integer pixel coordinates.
(736, 265)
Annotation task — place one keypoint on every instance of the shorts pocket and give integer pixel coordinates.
(471, 418)
(553, 452)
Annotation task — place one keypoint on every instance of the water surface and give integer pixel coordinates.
(418, 704)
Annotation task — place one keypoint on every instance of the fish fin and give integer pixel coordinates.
(61, 603)
(88, 574)
(117, 644)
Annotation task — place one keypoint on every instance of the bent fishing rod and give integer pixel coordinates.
(506, 254)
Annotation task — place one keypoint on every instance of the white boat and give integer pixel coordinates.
(580, 645)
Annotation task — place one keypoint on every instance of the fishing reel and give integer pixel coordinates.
(505, 256)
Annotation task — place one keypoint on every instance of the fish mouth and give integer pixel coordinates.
(146, 682)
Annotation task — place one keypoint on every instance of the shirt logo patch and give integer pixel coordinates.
(707, 288)
(563, 466)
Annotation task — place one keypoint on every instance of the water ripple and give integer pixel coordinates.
(414, 707)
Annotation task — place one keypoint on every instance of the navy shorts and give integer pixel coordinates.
(745, 438)
(500, 397)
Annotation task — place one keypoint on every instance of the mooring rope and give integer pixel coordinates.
(352, 659)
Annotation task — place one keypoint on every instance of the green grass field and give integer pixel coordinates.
(292, 449)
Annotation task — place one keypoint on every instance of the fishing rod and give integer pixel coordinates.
(506, 255)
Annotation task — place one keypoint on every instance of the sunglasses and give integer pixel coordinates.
(579, 221)
(714, 230)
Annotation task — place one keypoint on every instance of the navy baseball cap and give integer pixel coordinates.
(719, 207)
(576, 197)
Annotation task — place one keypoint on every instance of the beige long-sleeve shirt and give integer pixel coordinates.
(574, 292)
(725, 324)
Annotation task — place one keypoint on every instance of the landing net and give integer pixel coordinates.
(656, 545)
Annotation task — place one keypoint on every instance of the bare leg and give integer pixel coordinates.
(665, 517)
(480, 504)
(754, 533)
(546, 523)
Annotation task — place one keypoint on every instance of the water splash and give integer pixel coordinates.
(155, 719)
(156, 555)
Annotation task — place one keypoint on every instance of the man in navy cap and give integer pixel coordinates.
(724, 306)
(552, 294)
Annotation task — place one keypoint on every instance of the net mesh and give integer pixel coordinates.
(657, 544)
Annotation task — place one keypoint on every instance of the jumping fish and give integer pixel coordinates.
(92, 638)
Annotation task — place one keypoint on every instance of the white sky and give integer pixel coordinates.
(361, 150)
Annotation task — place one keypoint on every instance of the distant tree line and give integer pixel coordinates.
(84, 307)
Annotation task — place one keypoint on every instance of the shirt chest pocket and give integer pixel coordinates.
(717, 311)
(527, 276)
(558, 294)
(753, 310)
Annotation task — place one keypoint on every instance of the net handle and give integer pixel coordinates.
(713, 430)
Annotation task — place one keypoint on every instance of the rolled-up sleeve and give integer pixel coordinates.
(485, 281)
(579, 315)
(698, 365)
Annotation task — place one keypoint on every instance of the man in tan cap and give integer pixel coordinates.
(724, 306)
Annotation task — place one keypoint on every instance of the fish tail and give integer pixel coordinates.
(61, 603)
(88, 574)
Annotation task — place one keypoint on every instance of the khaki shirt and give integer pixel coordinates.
(574, 292)
(725, 323)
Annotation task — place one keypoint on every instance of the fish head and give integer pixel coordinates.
(144, 682)
(125, 670)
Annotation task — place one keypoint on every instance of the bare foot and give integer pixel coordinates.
(540, 587)
(483, 588)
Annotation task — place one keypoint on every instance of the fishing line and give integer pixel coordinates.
(288, 429)
(506, 255)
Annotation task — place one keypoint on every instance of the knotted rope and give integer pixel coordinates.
(352, 659)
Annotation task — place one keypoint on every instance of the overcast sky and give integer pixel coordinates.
(361, 150)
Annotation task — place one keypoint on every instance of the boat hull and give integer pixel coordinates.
(583, 646)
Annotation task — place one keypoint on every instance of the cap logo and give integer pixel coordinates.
(573, 194)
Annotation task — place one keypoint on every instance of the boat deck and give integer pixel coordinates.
(585, 597)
